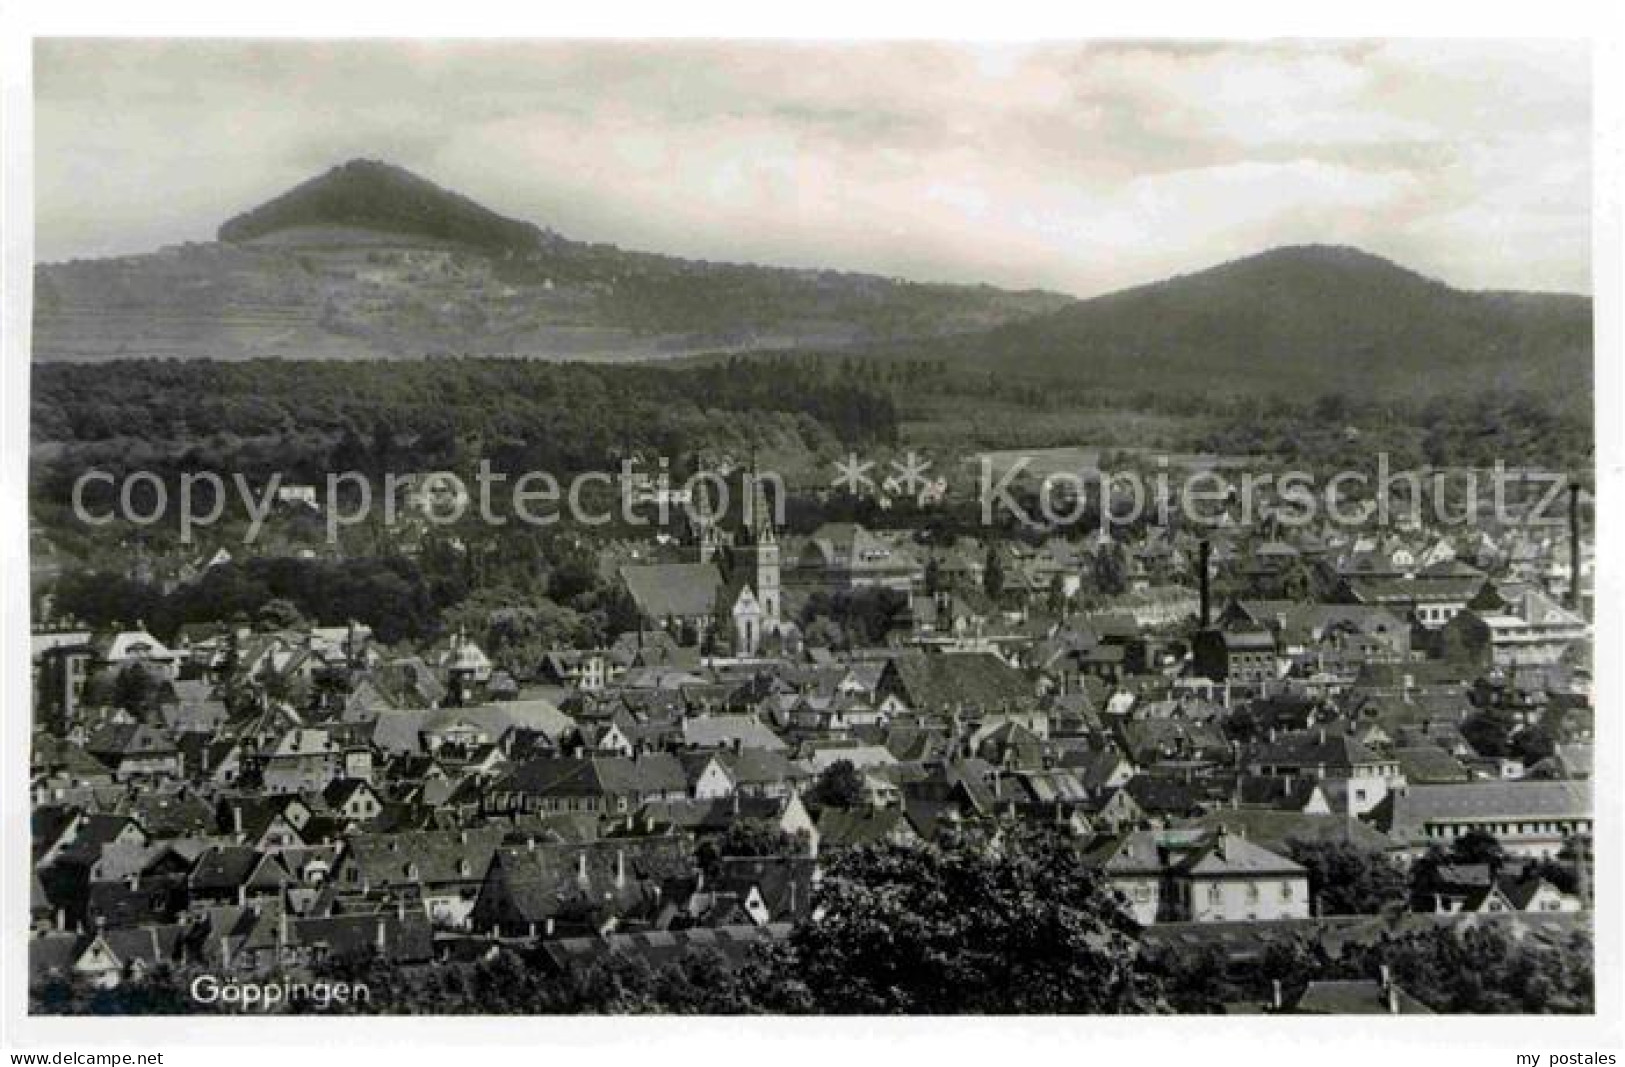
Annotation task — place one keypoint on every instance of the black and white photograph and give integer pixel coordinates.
(535, 526)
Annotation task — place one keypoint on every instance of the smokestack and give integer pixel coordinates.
(1204, 554)
(1574, 547)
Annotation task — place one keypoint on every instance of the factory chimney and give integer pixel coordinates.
(1204, 554)
(1574, 547)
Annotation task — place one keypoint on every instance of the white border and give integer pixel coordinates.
(423, 1040)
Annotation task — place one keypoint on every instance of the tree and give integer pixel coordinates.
(749, 838)
(1478, 846)
(993, 573)
(1345, 879)
(1484, 970)
(1006, 922)
(1489, 732)
(1110, 570)
(839, 786)
(137, 688)
(279, 614)
(1534, 743)
(1056, 600)
(933, 576)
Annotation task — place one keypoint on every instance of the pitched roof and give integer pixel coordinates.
(398, 938)
(718, 731)
(1274, 829)
(662, 590)
(732, 943)
(939, 682)
(1324, 748)
(596, 776)
(1485, 801)
(1192, 851)
(1430, 765)
(840, 828)
(398, 731)
(618, 876)
(423, 857)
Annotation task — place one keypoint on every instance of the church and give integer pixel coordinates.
(728, 599)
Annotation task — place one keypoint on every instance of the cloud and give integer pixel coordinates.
(1082, 167)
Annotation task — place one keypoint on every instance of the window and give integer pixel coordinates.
(1252, 892)
(1286, 890)
(1214, 893)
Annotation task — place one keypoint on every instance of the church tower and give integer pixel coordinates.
(767, 562)
(762, 555)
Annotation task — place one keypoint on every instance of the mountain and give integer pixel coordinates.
(372, 196)
(371, 261)
(1304, 320)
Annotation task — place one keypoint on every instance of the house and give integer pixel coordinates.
(603, 785)
(1430, 598)
(1156, 605)
(1430, 765)
(839, 828)
(1281, 793)
(416, 732)
(769, 889)
(1199, 875)
(709, 817)
(1314, 630)
(589, 670)
(58, 766)
(945, 681)
(1246, 658)
(550, 888)
(1147, 742)
(736, 732)
(106, 959)
(236, 874)
(353, 799)
(61, 833)
(1536, 894)
(844, 555)
(135, 751)
(1097, 768)
(303, 758)
(1354, 778)
(1534, 630)
(125, 647)
(442, 869)
(269, 938)
(1533, 819)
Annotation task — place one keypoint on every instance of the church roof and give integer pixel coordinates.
(664, 590)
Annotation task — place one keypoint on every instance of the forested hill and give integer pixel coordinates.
(370, 261)
(1304, 322)
(305, 419)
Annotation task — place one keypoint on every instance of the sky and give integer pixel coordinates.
(1082, 167)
